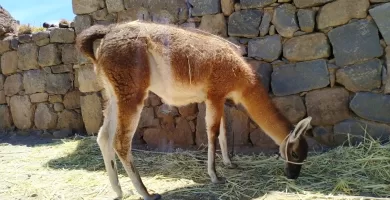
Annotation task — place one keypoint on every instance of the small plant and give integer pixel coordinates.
(63, 23)
(25, 29)
(37, 29)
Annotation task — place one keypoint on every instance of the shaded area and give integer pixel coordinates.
(363, 170)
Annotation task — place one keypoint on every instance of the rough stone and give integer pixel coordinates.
(85, 6)
(162, 143)
(188, 110)
(357, 130)
(13, 84)
(62, 133)
(237, 122)
(41, 38)
(3, 99)
(39, 97)
(9, 62)
(265, 22)
(327, 106)
(88, 80)
(183, 136)
(248, 4)
(55, 98)
(263, 70)
(82, 22)
(307, 47)
(34, 81)
(58, 69)
(58, 107)
(2, 78)
(134, 14)
(244, 23)
(332, 74)
(259, 138)
(28, 56)
(310, 3)
(379, 1)
(268, 48)
(8, 25)
(58, 83)
(91, 110)
(227, 7)
(292, 107)
(22, 111)
(69, 54)
(100, 14)
(364, 76)
(49, 55)
(387, 79)
(147, 117)
(371, 106)
(354, 42)
(214, 24)
(381, 15)
(68, 119)
(303, 76)
(285, 20)
(154, 99)
(340, 12)
(25, 38)
(205, 7)
(201, 135)
(114, 6)
(306, 20)
(72, 99)
(45, 118)
(5, 118)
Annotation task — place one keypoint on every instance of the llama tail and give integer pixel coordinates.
(84, 41)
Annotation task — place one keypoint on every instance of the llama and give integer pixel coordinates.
(182, 67)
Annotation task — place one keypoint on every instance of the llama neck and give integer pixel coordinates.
(261, 109)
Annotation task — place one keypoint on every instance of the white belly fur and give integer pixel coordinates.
(172, 93)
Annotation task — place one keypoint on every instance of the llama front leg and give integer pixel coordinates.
(214, 112)
(224, 147)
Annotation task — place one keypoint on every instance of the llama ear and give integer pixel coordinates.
(300, 129)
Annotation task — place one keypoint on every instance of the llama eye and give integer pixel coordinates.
(294, 155)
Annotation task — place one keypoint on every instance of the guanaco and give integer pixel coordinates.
(181, 66)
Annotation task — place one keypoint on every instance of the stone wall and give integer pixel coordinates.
(322, 58)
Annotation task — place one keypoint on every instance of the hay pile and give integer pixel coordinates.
(362, 170)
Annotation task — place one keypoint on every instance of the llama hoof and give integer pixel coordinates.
(153, 197)
(219, 180)
(231, 166)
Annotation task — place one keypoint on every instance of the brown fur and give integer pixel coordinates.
(192, 59)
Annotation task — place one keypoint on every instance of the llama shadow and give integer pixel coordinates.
(193, 166)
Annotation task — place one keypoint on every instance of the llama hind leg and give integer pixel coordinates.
(104, 140)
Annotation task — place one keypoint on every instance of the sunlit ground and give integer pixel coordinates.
(74, 169)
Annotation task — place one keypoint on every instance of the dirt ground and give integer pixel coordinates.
(33, 167)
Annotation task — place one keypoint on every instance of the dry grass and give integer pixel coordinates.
(73, 169)
(27, 29)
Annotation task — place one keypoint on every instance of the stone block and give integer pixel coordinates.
(147, 118)
(303, 76)
(41, 38)
(3, 99)
(237, 124)
(114, 6)
(55, 98)
(245, 23)
(58, 107)
(9, 62)
(91, 110)
(201, 134)
(25, 38)
(285, 20)
(381, 16)
(69, 53)
(58, 69)
(58, 83)
(182, 135)
(82, 22)
(68, 119)
(292, 107)
(28, 56)
(355, 42)
(365, 76)
(188, 110)
(268, 48)
(248, 4)
(2, 78)
(72, 100)
(13, 84)
(371, 106)
(264, 71)
(227, 7)
(64, 133)
(5, 118)
(205, 7)
(62, 35)
(85, 6)
(39, 97)
(260, 139)
(266, 21)
(306, 20)
(88, 80)
(340, 12)
(307, 47)
(22, 111)
(310, 3)
(327, 106)
(387, 80)
(45, 117)
(360, 129)
(214, 24)
(5, 46)
(34, 81)
(49, 55)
